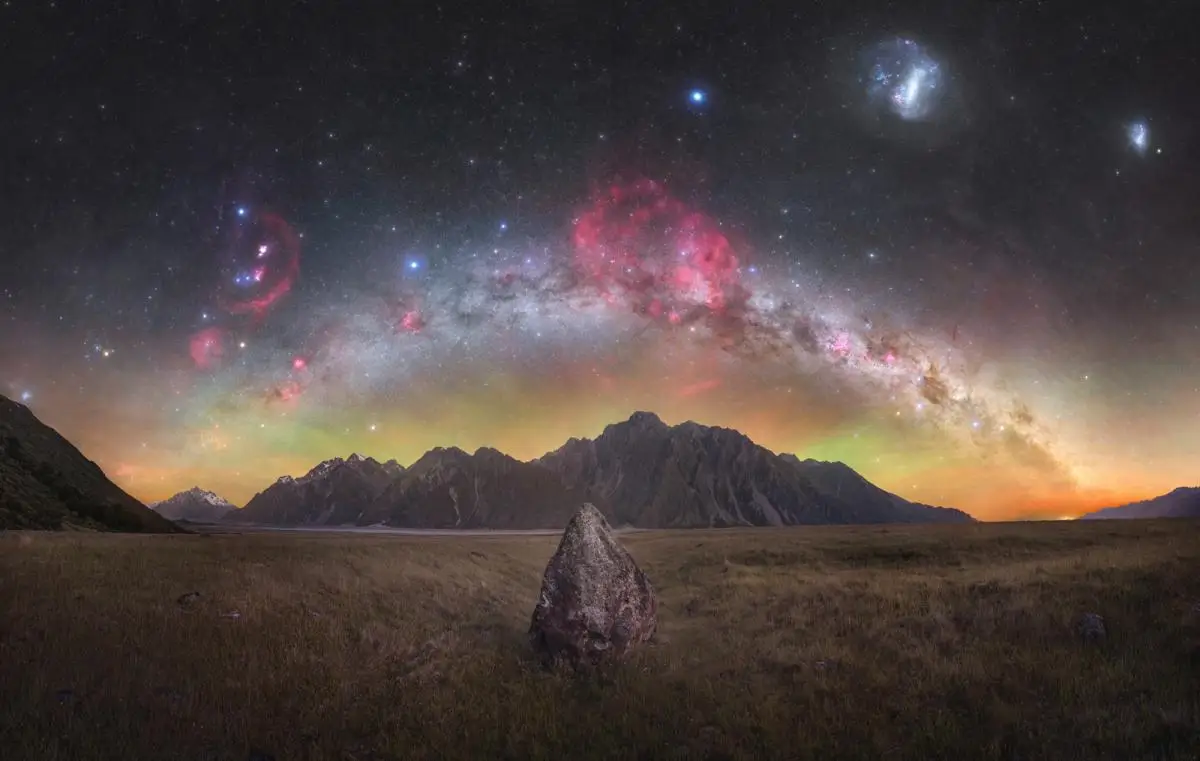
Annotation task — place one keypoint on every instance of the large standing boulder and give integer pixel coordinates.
(595, 603)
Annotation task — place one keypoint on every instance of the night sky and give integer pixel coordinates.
(954, 245)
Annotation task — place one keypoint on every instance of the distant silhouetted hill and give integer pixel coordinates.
(46, 483)
(1183, 502)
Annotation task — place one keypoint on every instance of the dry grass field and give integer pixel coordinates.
(953, 642)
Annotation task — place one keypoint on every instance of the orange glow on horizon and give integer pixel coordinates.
(241, 444)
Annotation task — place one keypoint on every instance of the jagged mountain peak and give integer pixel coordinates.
(356, 461)
(205, 495)
(644, 418)
(490, 453)
(650, 474)
(640, 471)
(638, 422)
(831, 466)
(439, 455)
(336, 491)
(322, 469)
(641, 424)
(195, 504)
(393, 467)
(694, 430)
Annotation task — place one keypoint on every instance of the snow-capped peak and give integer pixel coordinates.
(193, 504)
(203, 495)
(321, 470)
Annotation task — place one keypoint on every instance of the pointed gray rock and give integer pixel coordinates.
(595, 603)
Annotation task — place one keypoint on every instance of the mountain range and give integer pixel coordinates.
(336, 492)
(641, 473)
(1183, 502)
(46, 483)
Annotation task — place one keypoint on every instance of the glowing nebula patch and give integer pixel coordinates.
(269, 252)
(904, 78)
(207, 347)
(639, 241)
(1139, 136)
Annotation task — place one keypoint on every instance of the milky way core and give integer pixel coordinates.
(647, 304)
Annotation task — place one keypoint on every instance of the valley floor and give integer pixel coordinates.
(239, 528)
(954, 642)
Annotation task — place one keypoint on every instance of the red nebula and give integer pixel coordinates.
(412, 321)
(699, 387)
(299, 363)
(285, 392)
(841, 345)
(404, 313)
(270, 237)
(638, 240)
(207, 347)
(506, 278)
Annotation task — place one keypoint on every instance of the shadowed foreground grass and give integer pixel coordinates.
(953, 642)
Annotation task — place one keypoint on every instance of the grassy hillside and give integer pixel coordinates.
(833, 642)
(46, 483)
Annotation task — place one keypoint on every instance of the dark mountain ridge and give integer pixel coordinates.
(46, 483)
(448, 488)
(639, 472)
(644, 473)
(335, 492)
(1183, 502)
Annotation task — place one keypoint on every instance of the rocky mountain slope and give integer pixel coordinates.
(1183, 502)
(869, 503)
(448, 488)
(195, 504)
(640, 472)
(645, 473)
(46, 483)
(336, 492)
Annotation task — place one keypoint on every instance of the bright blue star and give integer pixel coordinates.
(503, 226)
(414, 265)
(698, 97)
(241, 211)
(26, 395)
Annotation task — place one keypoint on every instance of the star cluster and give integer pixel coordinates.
(935, 262)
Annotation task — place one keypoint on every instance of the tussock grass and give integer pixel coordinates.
(953, 642)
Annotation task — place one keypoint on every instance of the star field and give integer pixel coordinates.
(954, 247)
